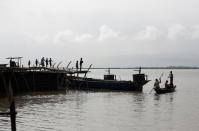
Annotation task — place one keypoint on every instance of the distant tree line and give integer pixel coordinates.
(150, 67)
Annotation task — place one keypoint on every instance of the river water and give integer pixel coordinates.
(111, 111)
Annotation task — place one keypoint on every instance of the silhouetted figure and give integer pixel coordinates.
(46, 62)
(166, 84)
(77, 65)
(157, 83)
(42, 61)
(10, 62)
(171, 78)
(140, 70)
(29, 63)
(81, 62)
(50, 62)
(36, 62)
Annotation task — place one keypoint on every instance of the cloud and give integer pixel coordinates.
(83, 38)
(195, 33)
(148, 33)
(177, 31)
(64, 36)
(105, 33)
(72, 37)
(41, 39)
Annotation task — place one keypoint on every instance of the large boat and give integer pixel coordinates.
(165, 90)
(108, 83)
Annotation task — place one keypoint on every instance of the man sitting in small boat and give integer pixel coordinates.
(157, 83)
(167, 85)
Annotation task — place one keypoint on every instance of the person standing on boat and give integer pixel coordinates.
(76, 65)
(29, 63)
(157, 83)
(171, 78)
(36, 62)
(50, 62)
(46, 62)
(81, 62)
(140, 70)
(42, 61)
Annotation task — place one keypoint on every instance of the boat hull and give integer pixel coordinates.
(96, 84)
(164, 90)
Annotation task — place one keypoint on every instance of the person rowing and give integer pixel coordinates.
(157, 83)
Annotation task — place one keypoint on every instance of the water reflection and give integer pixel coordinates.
(4, 104)
(169, 97)
(85, 110)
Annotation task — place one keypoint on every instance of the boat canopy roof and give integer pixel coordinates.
(14, 57)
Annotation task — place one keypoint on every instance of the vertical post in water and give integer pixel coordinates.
(12, 106)
(13, 116)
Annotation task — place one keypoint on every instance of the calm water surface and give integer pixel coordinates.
(111, 111)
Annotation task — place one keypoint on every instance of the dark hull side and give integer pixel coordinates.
(95, 84)
(163, 90)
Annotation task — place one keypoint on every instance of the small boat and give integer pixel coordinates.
(165, 90)
(109, 83)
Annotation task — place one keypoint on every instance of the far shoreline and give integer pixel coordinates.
(129, 68)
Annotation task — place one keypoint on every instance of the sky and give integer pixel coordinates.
(105, 33)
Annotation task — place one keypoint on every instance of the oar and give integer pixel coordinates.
(161, 75)
(151, 90)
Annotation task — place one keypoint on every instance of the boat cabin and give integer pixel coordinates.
(139, 77)
(109, 76)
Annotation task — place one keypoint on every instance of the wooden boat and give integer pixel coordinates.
(108, 83)
(165, 90)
